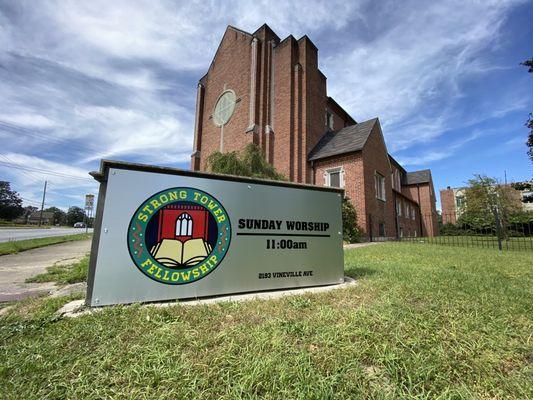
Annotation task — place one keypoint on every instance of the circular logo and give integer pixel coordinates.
(179, 235)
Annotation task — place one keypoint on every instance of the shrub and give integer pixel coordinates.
(350, 231)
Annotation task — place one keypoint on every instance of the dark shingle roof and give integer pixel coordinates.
(422, 176)
(346, 140)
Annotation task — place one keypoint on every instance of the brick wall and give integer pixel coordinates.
(376, 159)
(354, 185)
(424, 194)
(226, 73)
(338, 122)
(404, 220)
(283, 119)
(314, 104)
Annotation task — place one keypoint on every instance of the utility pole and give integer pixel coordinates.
(505, 174)
(42, 204)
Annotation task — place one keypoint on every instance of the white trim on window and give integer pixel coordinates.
(333, 170)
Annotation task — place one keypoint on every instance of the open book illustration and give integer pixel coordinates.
(173, 253)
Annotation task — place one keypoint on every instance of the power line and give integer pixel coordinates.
(42, 171)
(34, 179)
(5, 126)
(30, 201)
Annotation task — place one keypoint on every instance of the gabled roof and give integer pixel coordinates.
(346, 140)
(422, 176)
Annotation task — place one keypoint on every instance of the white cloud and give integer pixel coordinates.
(127, 131)
(28, 120)
(427, 157)
(410, 73)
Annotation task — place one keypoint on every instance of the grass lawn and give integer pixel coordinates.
(21, 245)
(487, 242)
(64, 274)
(424, 322)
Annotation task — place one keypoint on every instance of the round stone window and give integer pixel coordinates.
(224, 108)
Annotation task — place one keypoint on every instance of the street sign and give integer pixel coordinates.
(164, 234)
(89, 201)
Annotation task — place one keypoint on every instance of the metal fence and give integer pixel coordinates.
(489, 230)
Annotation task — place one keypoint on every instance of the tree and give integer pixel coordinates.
(75, 214)
(10, 202)
(529, 122)
(60, 217)
(489, 202)
(529, 64)
(251, 162)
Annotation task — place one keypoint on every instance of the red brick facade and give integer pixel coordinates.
(447, 202)
(282, 106)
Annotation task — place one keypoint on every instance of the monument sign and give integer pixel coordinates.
(164, 234)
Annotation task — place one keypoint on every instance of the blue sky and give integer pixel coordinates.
(81, 81)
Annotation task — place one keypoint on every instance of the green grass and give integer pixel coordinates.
(64, 274)
(22, 245)
(424, 322)
(487, 242)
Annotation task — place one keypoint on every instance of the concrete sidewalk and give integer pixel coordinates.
(16, 268)
(357, 245)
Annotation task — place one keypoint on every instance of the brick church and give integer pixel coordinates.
(263, 90)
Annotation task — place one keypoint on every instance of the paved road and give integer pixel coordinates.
(29, 233)
(16, 268)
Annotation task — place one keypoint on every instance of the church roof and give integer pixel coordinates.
(346, 140)
(422, 176)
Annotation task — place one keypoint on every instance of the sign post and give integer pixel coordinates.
(164, 234)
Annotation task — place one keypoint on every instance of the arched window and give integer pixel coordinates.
(184, 225)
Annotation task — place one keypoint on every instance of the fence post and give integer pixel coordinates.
(498, 228)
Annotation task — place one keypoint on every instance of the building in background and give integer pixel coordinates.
(47, 218)
(453, 200)
(270, 92)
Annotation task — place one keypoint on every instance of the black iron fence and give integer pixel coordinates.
(487, 230)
